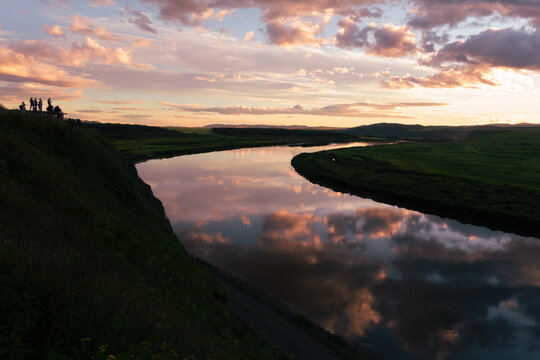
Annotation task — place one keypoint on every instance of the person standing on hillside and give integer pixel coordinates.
(40, 105)
(31, 104)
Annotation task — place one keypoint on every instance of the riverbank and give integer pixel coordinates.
(89, 264)
(139, 143)
(490, 179)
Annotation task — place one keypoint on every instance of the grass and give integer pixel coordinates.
(490, 179)
(89, 265)
(139, 143)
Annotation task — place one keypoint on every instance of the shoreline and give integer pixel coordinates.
(390, 191)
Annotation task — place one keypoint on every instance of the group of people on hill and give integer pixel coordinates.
(37, 105)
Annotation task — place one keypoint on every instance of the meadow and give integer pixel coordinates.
(491, 178)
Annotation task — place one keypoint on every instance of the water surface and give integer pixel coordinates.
(409, 285)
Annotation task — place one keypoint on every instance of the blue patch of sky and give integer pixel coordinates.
(239, 23)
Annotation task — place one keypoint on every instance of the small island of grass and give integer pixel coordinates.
(490, 179)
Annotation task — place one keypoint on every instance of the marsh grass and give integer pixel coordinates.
(89, 265)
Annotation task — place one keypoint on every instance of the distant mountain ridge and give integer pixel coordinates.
(434, 133)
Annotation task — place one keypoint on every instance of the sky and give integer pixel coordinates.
(336, 63)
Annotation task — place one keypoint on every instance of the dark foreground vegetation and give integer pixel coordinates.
(491, 178)
(139, 143)
(89, 265)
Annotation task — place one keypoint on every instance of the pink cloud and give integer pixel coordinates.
(141, 20)
(83, 25)
(121, 102)
(505, 48)
(449, 77)
(388, 41)
(470, 62)
(294, 33)
(354, 110)
(55, 30)
(20, 67)
(392, 41)
(434, 13)
(286, 20)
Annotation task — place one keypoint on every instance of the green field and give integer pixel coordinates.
(89, 265)
(139, 143)
(491, 178)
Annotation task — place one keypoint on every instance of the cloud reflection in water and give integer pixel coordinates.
(433, 287)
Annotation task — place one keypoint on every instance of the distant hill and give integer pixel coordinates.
(126, 131)
(273, 126)
(433, 133)
(326, 135)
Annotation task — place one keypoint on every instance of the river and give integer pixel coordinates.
(406, 284)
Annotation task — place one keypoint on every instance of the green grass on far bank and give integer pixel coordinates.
(490, 179)
(89, 265)
(139, 143)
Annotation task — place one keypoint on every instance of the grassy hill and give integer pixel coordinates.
(491, 179)
(89, 265)
(138, 143)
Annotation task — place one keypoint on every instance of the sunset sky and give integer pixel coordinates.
(336, 63)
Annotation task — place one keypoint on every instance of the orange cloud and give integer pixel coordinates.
(55, 30)
(18, 67)
(353, 110)
(450, 77)
(83, 25)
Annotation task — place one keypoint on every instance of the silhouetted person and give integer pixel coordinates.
(40, 105)
(58, 112)
(22, 107)
(49, 102)
(31, 104)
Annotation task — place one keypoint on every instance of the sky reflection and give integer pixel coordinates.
(406, 283)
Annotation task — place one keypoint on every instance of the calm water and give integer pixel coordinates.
(412, 286)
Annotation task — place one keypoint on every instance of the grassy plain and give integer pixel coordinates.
(89, 265)
(139, 143)
(490, 179)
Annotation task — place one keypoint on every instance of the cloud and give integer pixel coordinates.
(288, 22)
(55, 30)
(19, 67)
(102, 2)
(121, 102)
(429, 14)
(90, 111)
(15, 92)
(388, 41)
(78, 54)
(470, 62)
(140, 42)
(141, 20)
(249, 36)
(392, 41)
(294, 33)
(352, 110)
(83, 25)
(449, 77)
(507, 48)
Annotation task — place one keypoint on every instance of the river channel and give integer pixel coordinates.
(406, 284)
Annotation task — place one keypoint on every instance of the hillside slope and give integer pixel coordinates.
(89, 265)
